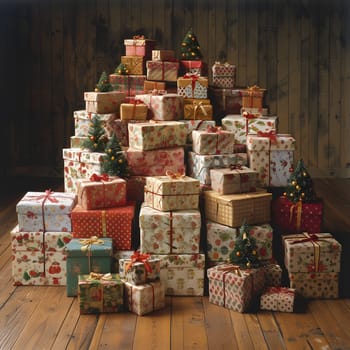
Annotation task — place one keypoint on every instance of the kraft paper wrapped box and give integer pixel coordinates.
(172, 192)
(272, 156)
(139, 46)
(169, 232)
(196, 108)
(39, 258)
(278, 299)
(156, 162)
(150, 85)
(234, 288)
(136, 65)
(223, 75)
(196, 125)
(46, 211)
(155, 135)
(133, 110)
(129, 84)
(100, 293)
(163, 55)
(85, 255)
(182, 274)
(192, 86)
(252, 97)
(199, 165)
(101, 191)
(162, 70)
(103, 102)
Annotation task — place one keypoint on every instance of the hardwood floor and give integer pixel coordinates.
(44, 318)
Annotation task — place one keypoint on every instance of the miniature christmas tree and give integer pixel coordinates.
(97, 138)
(244, 253)
(103, 84)
(114, 162)
(300, 186)
(190, 49)
(122, 69)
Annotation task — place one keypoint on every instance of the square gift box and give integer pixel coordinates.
(196, 125)
(103, 102)
(223, 75)
(129, 84)
(134, 109)
(252, 97)
(192, 86)
(278, 299)
(225, 101)
(139, 46)
(135, 64)
(162, 70)
(196, 108)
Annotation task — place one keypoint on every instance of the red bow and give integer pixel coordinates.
(138, 257)
(47, 196)
(95, 177)
(271, 135)
(311, 238)
(211, 128)
(249, 115)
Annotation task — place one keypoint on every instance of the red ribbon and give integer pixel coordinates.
(194, 78)
(138, 257)
(249, 115)
(311, 238)
(216, 129)
(98, 178)
(47, 196)
(271, 135)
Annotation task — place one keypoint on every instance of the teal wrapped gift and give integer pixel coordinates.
(87, 255)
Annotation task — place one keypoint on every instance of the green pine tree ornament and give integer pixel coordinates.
(190, 49)
(245, 252)
(97, 138)
(115, 162)
(103, 84)
(300, 186)
(122, 69)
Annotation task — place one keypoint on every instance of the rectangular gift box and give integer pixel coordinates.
(100, 293)
(150, 85)
(169, 232)
(129, 84)
(225, 101)
(139, 46)
(182, 274)
(135, 64)
(198, 109)
(162, 70)
(172, 192)
(278, 299)
(272, 156)
(133, 110)
(163, 55)
(87, 255)
(156, 135)
(234, 288)
(116, 223)
(103, 102)
(234, 209)
(77, 141)
(192, 86)
(196, 125)
(223, 75)
(46, 211)
(253, 97)
(120, 128)
(156, 162)
(193, 67)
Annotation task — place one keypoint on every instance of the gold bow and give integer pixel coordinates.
(94, 276)
(88, 242)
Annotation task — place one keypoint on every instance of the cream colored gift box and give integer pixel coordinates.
(103, 102)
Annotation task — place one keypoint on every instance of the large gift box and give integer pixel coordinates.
(129, 84)
(272, 156)
(156, 162)
(133, 110)
(182, 274)
(162, 70)
(223, 75)
(101, 191)
(197, 125)
(199, 165)
(172, 192)
(87, 255)
(155, 135)
(139, 46)
(135, 64)
(234, 209)
(45, 211)
(196, 108)
(103, 102)
(116, 223)
(234, 288)
(100, 293)
(192, 86)
(252, 97)
(39, 258)
(169, 232)
(278, 299)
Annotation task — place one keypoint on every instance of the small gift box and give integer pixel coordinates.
(197, 125)
(100, 293)
(163, 55)
(273, 273)
(253, 97)
(129, 84)
(193, 67)
(192, 86)
(225, 101)
(162, 70)
(224, 75)
(149, 86)
(135, 64)
(139, 46)
(103, 102)
(198, 109)
(278, 299)
(133, 110)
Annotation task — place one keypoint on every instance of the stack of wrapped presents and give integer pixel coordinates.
(195, 165)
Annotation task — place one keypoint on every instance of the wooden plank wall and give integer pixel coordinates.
(299, 50)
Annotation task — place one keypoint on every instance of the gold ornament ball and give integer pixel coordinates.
(112, 158)
(284, 193)
(297, 187)
(254, 252)
(293, 182)
(109, 150)
(120, 161)
(248, 264)
(304, 173)
(302, 194)
(95, 145)
(92, 138)
(184, 44)
(238, 253)
(96, 90)
(193, 54)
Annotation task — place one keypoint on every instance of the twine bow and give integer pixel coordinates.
(94, 276)
(138, 257)
(98, 178)
(174, 176)
(88, 242)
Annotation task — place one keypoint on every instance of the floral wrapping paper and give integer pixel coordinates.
(252, 97)
(182, 274)
(297, 218)
(233, 180)
(273, 273)
(106, 192)
(135, 64)
(121, 130)
(234, 288)
(77, 141)
(193, 67)
(199, 165)
(100, 295)
(129, 84)
(145, 298)
(277, 299)
(169, 232)
(213, 142)
(150, 136)
(163, 106)
(163, 55)
(192, 86)
(83, 258)
(139, 47)
(165, 193)
(162, 70)
(272, 157)
(45, 211)
(196, 125)
(103, 102)
(135, 110)
(223, 75)
(116, 223)
(242, 126)
(156, 162)
(197, 109)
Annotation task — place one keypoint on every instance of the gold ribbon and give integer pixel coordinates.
(94, 276)
(299, 208)
(196, 107)
(88, 242)
(173, 175)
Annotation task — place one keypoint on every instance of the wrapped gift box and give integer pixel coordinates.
(162, 70)
(101, 192)
(135, 186)
(193, 67)
(197, 125)
(116, 223)
(234, 288)
(299, 217)
(195, 109)
(129, 84)
(156, 162)
(145, 298)
(258, 112)
(133, 110)
(77, 141)
(139, 46)
(234, 209)
(192, 86)
(120, 128)
(100, 293)
(87, 255)
(163, 55)
(223, 75)
(103, 102)
(272, 157)
(149, 86)
(163, 106)
(169, 232)
(253, 97)
(199, 165)
(241, 126)
(225, 101)
(235, 179)
(45, 211)
(150, 136)
(273, 273)
(172, 193)
(135, 64)
(182, 274)
(278, 299)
